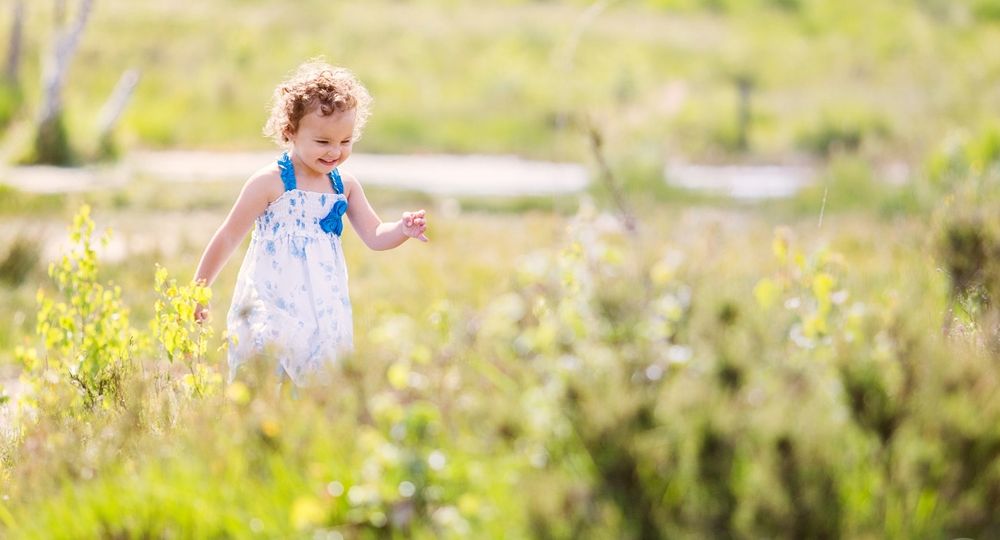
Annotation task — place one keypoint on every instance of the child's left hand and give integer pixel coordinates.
(414, 224)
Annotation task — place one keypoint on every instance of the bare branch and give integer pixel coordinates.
(58, 14)
(115, 106)
(13, 67)
(55, 70)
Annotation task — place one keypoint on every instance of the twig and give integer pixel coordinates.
(822, 207)
(608, 176)
(117, 102)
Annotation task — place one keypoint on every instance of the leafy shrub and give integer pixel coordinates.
(965, 178)
(175, 329)
(84, 329)
(51, 144)
(10, 102)
(20, 260)
(842, 130)
(986, 10)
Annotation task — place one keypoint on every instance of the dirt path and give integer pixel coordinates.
(451, 175)
(437, 174)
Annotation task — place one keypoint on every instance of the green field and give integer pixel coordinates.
(820, 366)
(888, 77)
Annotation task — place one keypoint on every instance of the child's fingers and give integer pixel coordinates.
(417, 231)
(201, 313)
(415, 223)
(414, 219)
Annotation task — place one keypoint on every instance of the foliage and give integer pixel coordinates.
(965, 175)
(678, 382)
(175, 329)
(853, 184)
(658, 68)
(986, 9)
(843, 130)
(10, 102)
(84, 333)
(20, 260)
(51, 144)
(14, 202)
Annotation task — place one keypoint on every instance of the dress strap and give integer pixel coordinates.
(287, 171)
(338, 184)
(334, 221)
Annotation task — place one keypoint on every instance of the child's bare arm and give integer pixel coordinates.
(258, 192)
(373, 232)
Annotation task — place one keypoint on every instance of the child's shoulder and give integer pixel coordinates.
(350, 182)
(266, 181)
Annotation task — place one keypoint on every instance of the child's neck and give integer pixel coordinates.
(303, 172)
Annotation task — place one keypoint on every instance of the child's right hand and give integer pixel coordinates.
(201, 313)
(414, 224)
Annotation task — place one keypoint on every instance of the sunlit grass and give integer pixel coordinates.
(505, 77)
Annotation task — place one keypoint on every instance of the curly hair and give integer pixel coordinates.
(316, 86)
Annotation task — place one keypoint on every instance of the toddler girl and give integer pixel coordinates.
(291, 296)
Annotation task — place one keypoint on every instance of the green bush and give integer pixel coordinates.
(986, 10)
(964, 180)
(20, 260)
(51, 145)
(11, 99)
(842, 130)
(84, 333)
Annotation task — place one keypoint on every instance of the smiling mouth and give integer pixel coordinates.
(327, 162)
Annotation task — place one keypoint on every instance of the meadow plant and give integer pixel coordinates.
(182, 338)
(83, 328)
(964, 177)
(612, 388)
(808, 287)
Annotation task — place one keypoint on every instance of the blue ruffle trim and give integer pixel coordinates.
(287, 171)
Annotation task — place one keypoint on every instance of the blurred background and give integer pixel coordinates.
(698, 268)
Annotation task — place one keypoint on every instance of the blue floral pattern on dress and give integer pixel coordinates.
(291, 300)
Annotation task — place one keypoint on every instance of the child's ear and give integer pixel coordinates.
(287, 134)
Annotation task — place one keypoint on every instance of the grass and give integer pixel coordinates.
(462, 414)
(732, 370)
(651, 75)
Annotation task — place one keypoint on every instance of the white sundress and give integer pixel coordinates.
(290, 302)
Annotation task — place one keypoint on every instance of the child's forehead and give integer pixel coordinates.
(337, 123)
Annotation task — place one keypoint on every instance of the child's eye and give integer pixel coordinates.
(320, 141)
(348, 141)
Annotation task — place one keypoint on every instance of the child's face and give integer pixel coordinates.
(324, 142)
